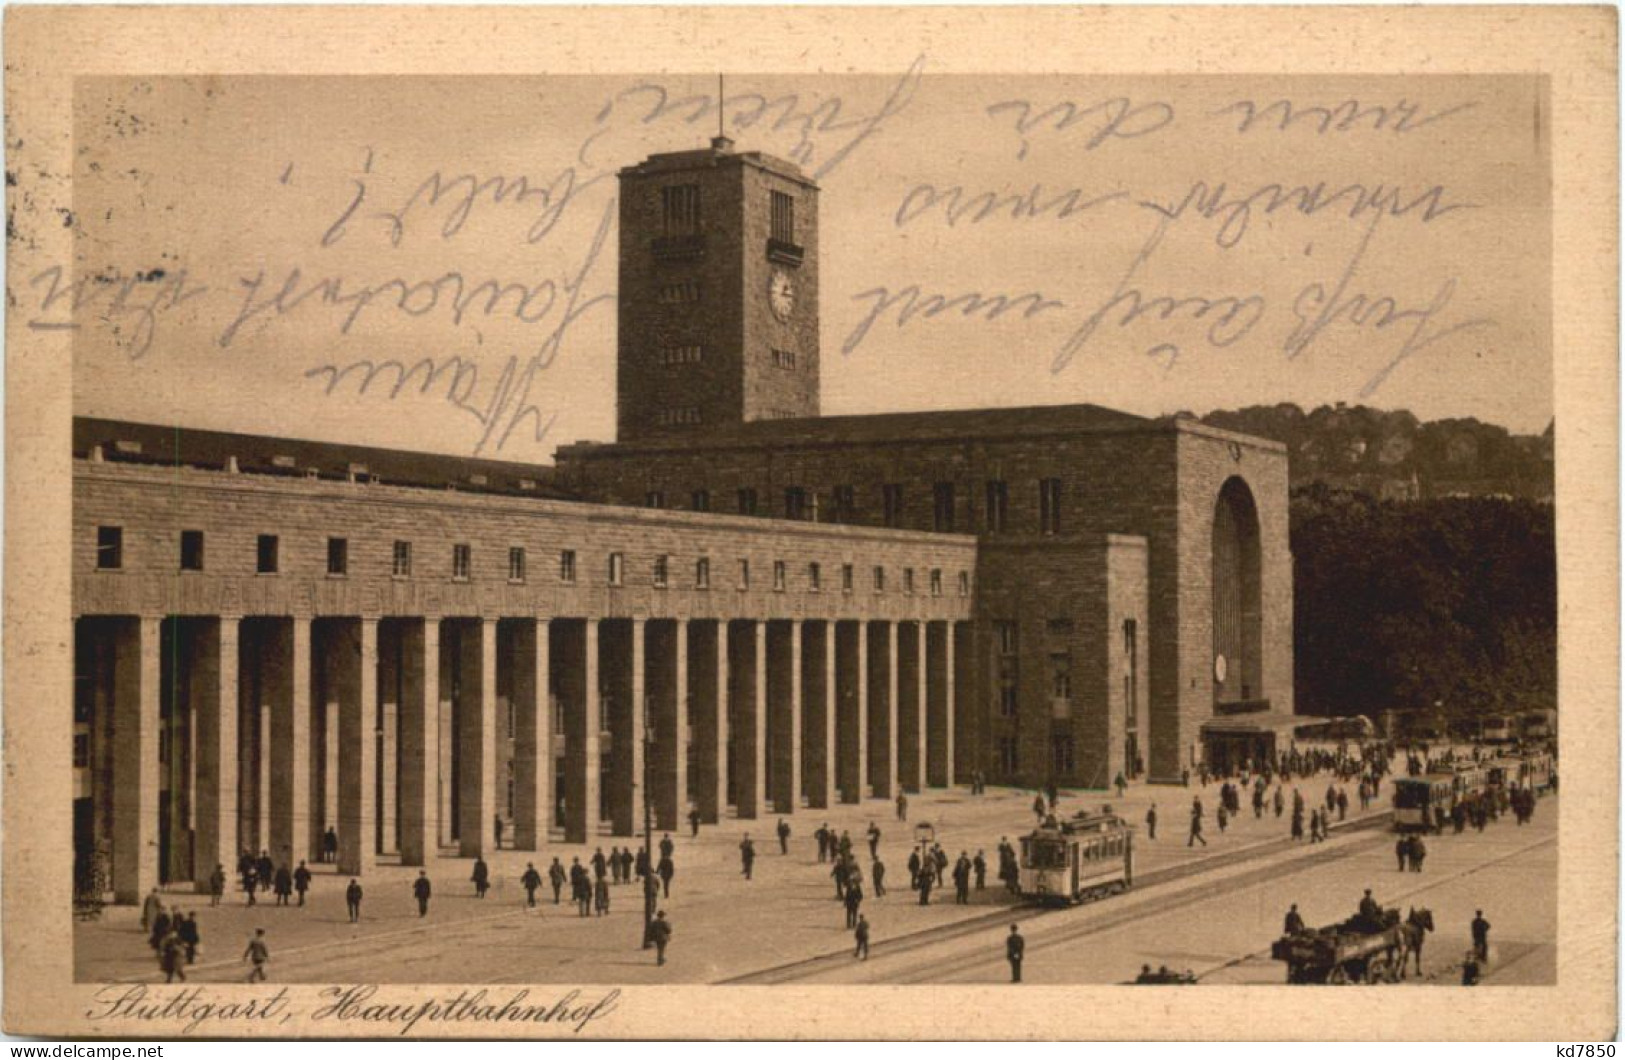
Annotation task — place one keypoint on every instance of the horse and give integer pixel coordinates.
(1413, 932)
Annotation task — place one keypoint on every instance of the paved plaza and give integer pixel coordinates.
(726, 927)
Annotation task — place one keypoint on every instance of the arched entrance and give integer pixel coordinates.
(1238, 627)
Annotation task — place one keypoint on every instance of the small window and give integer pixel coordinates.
(682, 415)
(845, 505)
(998, 505)
(815, 578)
(700, 501)
(462, 562)
(109, 547)
(880, 579)
(1007, 638)
(936, 582)
(1049, 505)
(191, 550)
(891, 500)
(784, 358)
(795, 503)
(402, 567)
(338, 557)
(679, 293)
(265, 558)
(661, 569)
(747, 502)
(617, 568)
(744, 574)
(567, 566)
(942, 499)
(516, 564)
(672, 356)
(783, 209)
(908, 580)
(778, 575)
(654, 499)
(1007, 697)
(680, 209)
(846, 577)
(964, 583)
(702, 573)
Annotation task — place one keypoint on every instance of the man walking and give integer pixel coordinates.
(979, 865)
(747, 855)
(854, 899)
(962, 879)
(352, 901)
(1151, 822)
(421, 891)
(481, 877)
(666, 870)
(693, 824)
(259, 953)
(660, 932)
(784, 836)
(217, 884)
(1481, 936)
(861, 933)
(1015, 948)
(1196, 825)
(301, 881)
(531, 880)
(556, 876)
(902, 806)
(877, 873)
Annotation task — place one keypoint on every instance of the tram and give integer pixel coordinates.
(1419, 800)
(1077, 859)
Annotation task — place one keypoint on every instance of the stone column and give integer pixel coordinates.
(626, 799)
(358, 749)
(335, 678)
(818, 715)
(747, 709)
(420, 742)
(709, 709)
(668, 691)
(389, 713)
(783, 709)
(882, 657)
(217, 760)
(533, 737)
(477, 739)
(291, 755)
(135, 758)
(578, 691)
(939, 754)
(910, 665)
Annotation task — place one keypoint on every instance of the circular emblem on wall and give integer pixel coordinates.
(1220, 668)
(781, 293)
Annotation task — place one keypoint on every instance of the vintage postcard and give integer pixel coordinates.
(531, 522)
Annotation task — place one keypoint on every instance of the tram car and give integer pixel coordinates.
(1419, 800)
(1536, 771)
(1472, 778)
(1077, 859)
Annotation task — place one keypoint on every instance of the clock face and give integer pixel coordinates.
(781, 294)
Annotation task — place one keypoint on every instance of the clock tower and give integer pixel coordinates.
(718, 302)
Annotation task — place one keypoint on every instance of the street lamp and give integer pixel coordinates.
(648, 824)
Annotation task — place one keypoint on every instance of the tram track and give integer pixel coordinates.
(930, 937)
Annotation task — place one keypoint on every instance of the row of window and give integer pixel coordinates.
(1063, 754)
(267, 560)
(680, 212)
(802, 503)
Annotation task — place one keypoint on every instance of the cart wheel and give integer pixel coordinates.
(1338, 975)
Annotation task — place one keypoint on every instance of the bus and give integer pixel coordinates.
(1496, 728)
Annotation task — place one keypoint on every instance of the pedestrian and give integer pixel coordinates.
(1015, 948)
(1314, 826)
(979, 865)
(861, 934)
(1223, 817)
(259, 953)
(1418, 851)
(614, 862)
(250, 883)
(531, 880)
(600, 896)
(301, 881)
(556, 876)
(1196, 831)
(580, 888)
(217, 884)
(784, 836)
(1481, 936)
(1342, 805)
(1294, 921)
(902, 806)
(926, 877)
(840, 872)
(284, 885)
(747, 855)
(172, 957)
(599, 864)
(626, 864)
(162, 924)
(667, 847)
(481, 877)
(1121, 785)
(1297, 824)
(874, 840)
(822, 838)
(1280, 801)
(190, 936)
(151, 907)
(1402, 851)
(330, 845)
(660, 932)
(854, 899)
(1151, 821)
(498, 829)
(666, 870)
(877, 874)
(694, 823)
(962, 872)
(352, 901)
(1038, 808)
(914, 870)
(265, 870)
(420, 891)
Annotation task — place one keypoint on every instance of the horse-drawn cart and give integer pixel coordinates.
(1359, 950)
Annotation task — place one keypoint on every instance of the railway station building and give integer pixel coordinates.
(740, 606)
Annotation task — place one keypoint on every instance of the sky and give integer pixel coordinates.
(247, 248)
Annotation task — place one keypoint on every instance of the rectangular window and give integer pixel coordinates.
(700, 501)
(964, 583)
(1006, 632)
(880, 579)
(747, 502)
(462, 562)
(679, 293)
(998, 505)
(702, 573)
(265, 554)
(1049, 505)
(1061, 751)
(109, 547)
(936, 582)
(402, 560)
(778, 575)
(891, 502)
(942, 503)
(744, 574)
(81, 750)
(654, 499)
(516, 564)
(846, 577)
(846, 507)
(662, 566)
(815, 578)
(617, 568)
(908, 580)
(1060, 684)
(795, 503)
(1007, 697)
(680, 209)
(567, 566)
(784, 358)
(682, 416)
(191, 550)
(672, 356)
(1008, 762)
(338, 557)
(784, 217)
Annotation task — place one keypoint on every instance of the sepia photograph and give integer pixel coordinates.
(561, 532)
